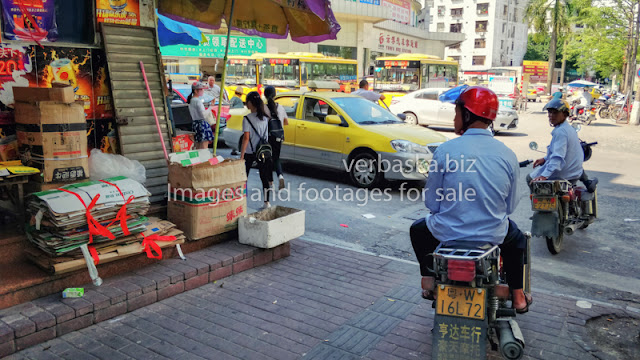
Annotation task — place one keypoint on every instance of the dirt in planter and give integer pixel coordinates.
(616, 336)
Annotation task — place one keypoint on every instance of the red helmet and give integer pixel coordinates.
(480, 101)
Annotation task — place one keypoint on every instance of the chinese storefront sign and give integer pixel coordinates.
(537, 70)
(33, 20)
(215, 45)
(399, 10)
(124, 12)
(402, 44)
(458, 338)
(372, 2)
(502, 84)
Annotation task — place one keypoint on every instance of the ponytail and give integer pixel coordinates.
(273, 108)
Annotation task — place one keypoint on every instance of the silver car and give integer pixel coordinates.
(423, 107)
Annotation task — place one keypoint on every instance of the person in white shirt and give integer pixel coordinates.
(201, 128)
(585, 101)
(366, 93)
(214, 89)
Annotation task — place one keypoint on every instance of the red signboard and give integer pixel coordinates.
(238, 61)
(396, 63)
(279, 61)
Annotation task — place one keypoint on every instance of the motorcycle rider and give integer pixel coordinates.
(585, 101)
(564, 155)
(483, 217)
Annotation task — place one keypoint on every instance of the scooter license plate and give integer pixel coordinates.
(461, 301)
(544, 203)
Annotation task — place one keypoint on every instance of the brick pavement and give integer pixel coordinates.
(319, 303)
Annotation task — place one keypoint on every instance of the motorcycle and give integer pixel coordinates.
(561, 207)
(604, 108)
(472, 304)
(585, 115)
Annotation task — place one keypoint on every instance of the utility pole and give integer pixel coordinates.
(634, 118)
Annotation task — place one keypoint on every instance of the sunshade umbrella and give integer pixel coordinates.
(581, 83)
(172, 32)
(304, 20)
(451, 95)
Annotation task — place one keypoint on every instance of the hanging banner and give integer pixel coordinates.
(16, 69)
(101, 100)
(67, 65)
(215, 45)
(124, 12)
(399, 10)
(33, 20)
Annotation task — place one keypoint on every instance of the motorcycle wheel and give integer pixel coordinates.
(555, 245)
(603, 113)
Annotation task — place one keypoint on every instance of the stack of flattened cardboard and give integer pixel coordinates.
(51, 131)
(60, 219)
(107, 252)
(207, 196)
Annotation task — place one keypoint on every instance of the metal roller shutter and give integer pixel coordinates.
(125, 47)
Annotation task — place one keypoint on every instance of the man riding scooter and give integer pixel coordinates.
(480, 215)
(565, 154)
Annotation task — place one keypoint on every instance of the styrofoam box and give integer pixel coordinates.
(271, 227)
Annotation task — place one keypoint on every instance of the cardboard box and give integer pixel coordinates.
(201, 217)
(271, 227)
(48, 112)
(35, 94)
(52, 145)
(205, 175)
(62, 170)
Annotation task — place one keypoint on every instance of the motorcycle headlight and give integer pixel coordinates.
(408, 146)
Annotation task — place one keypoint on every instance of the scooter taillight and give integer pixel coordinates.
(461, 270)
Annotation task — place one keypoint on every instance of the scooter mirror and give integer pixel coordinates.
(576, 126)
(533, 145)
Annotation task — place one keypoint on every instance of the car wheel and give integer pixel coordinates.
(364, 172)
(411, 118)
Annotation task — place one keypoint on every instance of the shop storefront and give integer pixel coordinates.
(186, 63)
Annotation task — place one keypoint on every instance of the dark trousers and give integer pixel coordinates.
(512, 250)
(276, 146)
(266, 173)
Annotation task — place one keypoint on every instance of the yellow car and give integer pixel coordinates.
(348, 133)
(532, 94)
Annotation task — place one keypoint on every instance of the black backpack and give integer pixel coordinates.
(276, 132)
(263, 152)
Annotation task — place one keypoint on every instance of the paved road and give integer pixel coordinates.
(599, 262)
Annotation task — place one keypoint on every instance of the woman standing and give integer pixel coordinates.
(255, 126)
(202, 129)
(276, 110)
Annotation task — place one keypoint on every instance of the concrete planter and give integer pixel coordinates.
(271, 227)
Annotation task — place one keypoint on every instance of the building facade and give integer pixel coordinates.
(495, 31)
(374, 28)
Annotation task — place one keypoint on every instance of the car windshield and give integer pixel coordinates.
(364, 112)
(184, 92)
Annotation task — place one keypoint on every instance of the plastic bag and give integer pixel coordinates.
(103, 166)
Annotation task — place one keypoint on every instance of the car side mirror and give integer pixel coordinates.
(333, 119)
(533, 145)
(577, 127)
(402, 117)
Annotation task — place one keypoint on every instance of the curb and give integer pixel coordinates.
(43, 319)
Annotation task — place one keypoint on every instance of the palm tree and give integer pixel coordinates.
(554, 15)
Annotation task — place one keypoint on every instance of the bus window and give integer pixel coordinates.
(242, 74)
(280, 75)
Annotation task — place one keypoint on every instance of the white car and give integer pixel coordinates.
(423, 107)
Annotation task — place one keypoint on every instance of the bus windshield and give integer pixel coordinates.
(396, 78)
(280, 75)
(242, 73)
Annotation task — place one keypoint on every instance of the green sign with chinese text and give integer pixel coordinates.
(215, 45)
